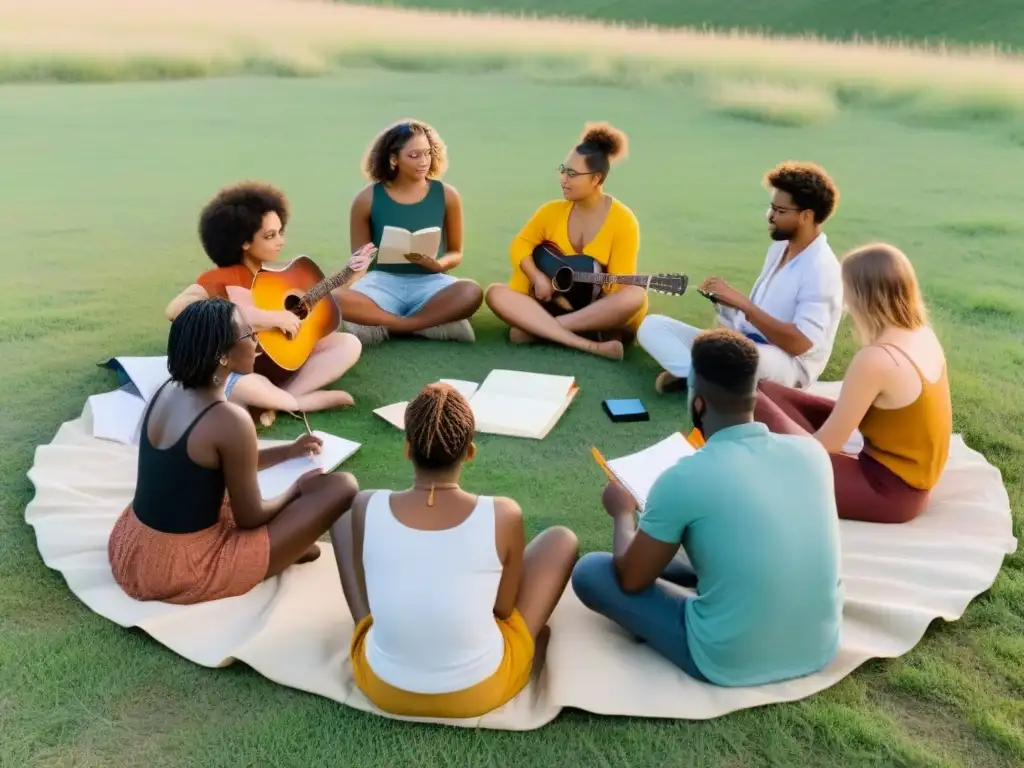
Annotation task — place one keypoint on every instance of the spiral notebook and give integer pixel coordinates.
(637, 472)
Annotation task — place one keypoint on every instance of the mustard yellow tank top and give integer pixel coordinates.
(913, 441)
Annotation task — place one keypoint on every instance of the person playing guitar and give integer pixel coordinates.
(242, 228)
(586, 221)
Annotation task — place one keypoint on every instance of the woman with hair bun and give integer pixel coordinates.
(586, 221)
(447, 597)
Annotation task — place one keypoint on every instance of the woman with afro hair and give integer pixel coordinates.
(404, 166)
(241, 229)
(588, 221)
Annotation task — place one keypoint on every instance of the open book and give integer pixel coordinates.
(636, 472)
(396, 242)
(512, 403)
(275, 480)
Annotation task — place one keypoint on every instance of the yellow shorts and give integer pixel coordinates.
(510, 678)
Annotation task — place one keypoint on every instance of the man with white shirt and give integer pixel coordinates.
(793, 310)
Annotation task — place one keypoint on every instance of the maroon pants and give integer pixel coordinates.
(865, 489)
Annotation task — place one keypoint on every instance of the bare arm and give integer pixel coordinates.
(190, 295)
(511, 543)
(259, 319)
(238, 448)
(358, 513)
(785, 336)
(452, 230)
(638, 559)
(865, 379)
(359, 219)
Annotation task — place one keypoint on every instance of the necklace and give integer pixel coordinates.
(433, 486)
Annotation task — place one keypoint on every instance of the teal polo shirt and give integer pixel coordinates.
(756, 514)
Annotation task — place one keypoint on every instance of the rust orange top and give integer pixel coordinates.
(913, 441)
(216, 281)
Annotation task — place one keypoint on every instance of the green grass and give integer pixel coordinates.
(958, 22)
(103, 188)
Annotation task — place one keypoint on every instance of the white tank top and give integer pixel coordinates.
(431, 595)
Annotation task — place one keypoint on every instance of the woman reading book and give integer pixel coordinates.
(241, 229)
(198, 528)
(417, 295)
(895, 392)
(447, 599)
(587, 221)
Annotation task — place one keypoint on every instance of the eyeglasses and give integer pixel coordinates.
(780, 209)
(248, 335)
(572, 174)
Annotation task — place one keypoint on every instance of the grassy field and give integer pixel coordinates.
(104, 186)
(957, 22)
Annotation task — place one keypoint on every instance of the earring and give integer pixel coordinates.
(216, 379)
(223, 362)
(393, 164)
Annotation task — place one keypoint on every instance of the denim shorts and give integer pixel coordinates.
(402, 294)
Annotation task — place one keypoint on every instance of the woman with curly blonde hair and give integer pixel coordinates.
(404, 165)
(586, 220)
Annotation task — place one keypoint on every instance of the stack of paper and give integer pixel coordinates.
(513, 403)
(638, 471)
(117, 415)
(276, 480)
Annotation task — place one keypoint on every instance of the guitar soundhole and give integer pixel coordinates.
(294, 304)
(562, 281)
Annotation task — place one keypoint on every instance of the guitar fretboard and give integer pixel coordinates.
(325, 286)
(605, 278)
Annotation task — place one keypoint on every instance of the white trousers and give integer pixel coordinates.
(668, 341)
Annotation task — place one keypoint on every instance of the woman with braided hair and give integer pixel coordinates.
(198, 528)
(447, 599)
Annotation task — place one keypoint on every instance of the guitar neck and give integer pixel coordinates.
(603, 278)
(325, 286)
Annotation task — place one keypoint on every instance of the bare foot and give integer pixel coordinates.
(517, 336)
(610, 349)
(309, 555)
(324, 400)
(267, 418)
(667, 382)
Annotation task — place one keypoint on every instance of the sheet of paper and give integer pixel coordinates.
(147, 373)
(638, 471)
(275, 480)
(117, 416)
(536, 386)
(394, 414)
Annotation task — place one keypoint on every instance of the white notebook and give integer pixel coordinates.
(511, 403)
(275, 480)
(117, 415)
(638, 471)
(396, 242)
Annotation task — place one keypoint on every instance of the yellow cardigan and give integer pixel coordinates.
(615, 247)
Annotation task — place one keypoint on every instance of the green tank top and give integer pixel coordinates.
(428, 212)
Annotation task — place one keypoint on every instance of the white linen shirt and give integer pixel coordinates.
(807, 292)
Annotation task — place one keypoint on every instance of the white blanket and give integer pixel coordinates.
(295, 629)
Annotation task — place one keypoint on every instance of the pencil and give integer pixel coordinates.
(603, 464)
(306, 422)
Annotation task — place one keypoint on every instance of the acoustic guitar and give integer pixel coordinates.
(578, 279)
(301, 288)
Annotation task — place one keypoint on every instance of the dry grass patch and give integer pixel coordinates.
(147, 39)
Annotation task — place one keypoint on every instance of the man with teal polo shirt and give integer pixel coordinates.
(756, 514)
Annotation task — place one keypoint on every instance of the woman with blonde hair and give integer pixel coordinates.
(896, 392)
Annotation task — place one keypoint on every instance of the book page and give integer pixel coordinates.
(147, 373)
(498, 413)
(465, 388)
(638, 471)
(117, 416)
(395, 242)
(534, 386)
(274, 481)
(426, 241)
(394, 414)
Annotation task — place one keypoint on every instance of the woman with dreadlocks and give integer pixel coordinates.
(198, 528)
(447, 599)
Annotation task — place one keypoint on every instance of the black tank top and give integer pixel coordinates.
(173, 494)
